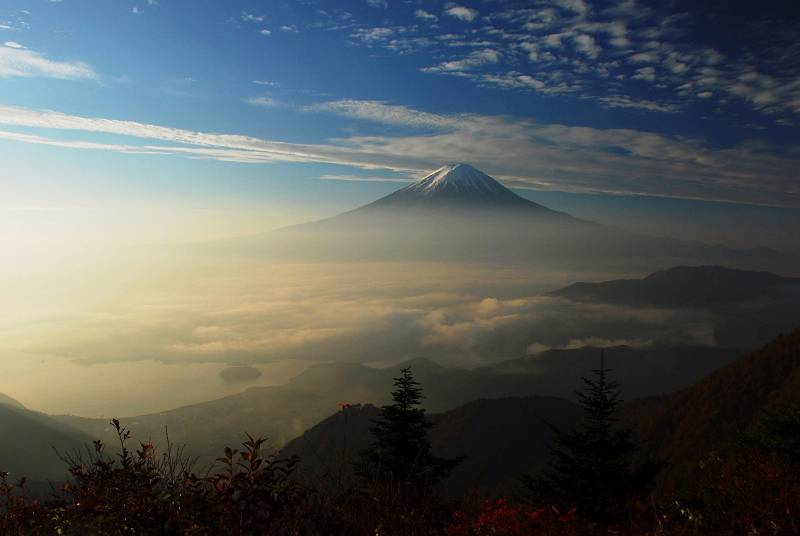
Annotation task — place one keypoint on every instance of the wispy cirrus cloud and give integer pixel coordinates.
(18, 61)
(264, 101)
(364, 178)
(521, 152)
(384, 113)
(621, 101)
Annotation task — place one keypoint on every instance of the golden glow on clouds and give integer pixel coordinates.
(104, 327)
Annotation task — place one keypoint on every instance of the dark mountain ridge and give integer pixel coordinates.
(686, 286)
(743, 309)
(8, 401)
(688, 424)
(30, 442)
(501, 438)
(504, 438)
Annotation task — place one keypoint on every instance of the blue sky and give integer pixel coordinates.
(248, 115)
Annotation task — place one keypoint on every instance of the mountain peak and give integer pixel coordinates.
(461, 178)
(456, 185)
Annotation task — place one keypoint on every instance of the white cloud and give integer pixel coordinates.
(263, 101)
(372, 35)
(473, 60)
(521, 152)
(462, 13)
(250, 17)
(362, 178)
(587, 45)
(265, 32)
(378, 3)
(515, 80)
(424, 15)
(645, 73)
(136, 10)
(13, 44)
(551, 85)
(576, 6)
(384, 113)
(763, 91)
(289, 28)
(266, 83)
(620, 42)
(625, 42)
(22, 62)
(621, 101)
(554, 40)
(644, 57)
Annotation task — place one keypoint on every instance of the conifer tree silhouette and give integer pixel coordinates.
(593, 466)
(401, 451)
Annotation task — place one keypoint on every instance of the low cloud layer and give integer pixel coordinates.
(262, 313)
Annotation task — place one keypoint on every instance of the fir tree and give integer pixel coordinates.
(401, 451)
(592, 467)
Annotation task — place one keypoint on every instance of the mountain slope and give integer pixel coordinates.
(8, 401)
(504, 438)
(29, 441)
(644, 371)
(743, 309)
(501, 439)
(455, 186)
(706, 287)
(684, 426)
(460, 214)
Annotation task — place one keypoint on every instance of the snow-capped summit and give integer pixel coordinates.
(457, 178)
(456, 186)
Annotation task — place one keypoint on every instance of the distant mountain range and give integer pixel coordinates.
(458, 213)
(745, 309)
(705, 287)
(284, 412)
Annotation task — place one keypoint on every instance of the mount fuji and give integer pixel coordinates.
(458, 213)
(453, 194)
(456, 186)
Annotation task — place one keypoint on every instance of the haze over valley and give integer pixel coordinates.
(455, 268)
